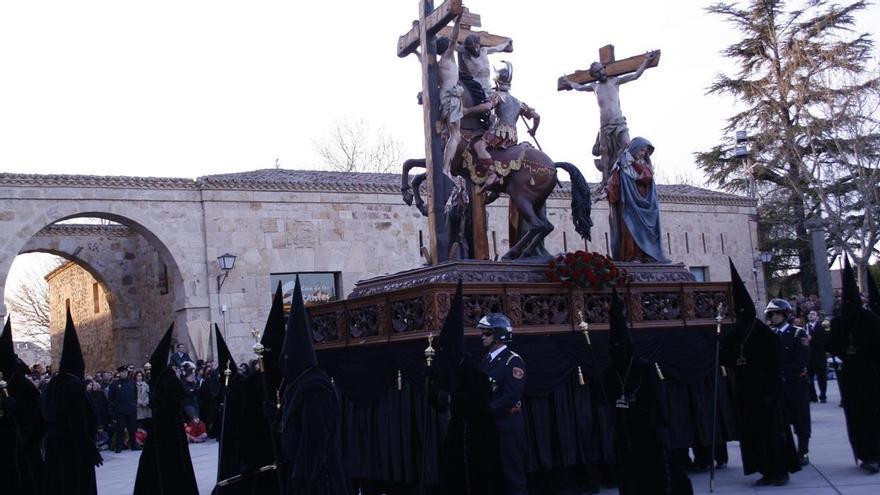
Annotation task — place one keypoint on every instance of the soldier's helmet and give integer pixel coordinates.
(778, 306)
(500, 326)
(504, 75)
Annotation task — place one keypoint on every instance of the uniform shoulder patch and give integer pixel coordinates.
(518, 373)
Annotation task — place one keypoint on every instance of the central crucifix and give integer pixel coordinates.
(422, 38)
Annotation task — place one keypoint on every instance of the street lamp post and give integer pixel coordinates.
(226, 262)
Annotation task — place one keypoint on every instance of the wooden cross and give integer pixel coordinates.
(433, 22)
(612, 67)
(422, 35)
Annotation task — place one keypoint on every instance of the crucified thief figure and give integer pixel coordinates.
(451, 110)
(613, 134)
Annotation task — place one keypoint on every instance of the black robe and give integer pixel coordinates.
(309, 437)
(766, 442)
(855, 339)
(640, 438)
(71, 454)
(229, 423)
(470, 460)
(257, 433)
(165, 466)
(21, 429)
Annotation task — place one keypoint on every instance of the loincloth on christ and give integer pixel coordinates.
(450, 104)
(608, 138)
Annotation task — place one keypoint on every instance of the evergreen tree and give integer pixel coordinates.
(797, 64)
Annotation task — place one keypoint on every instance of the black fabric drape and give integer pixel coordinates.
(384, 430)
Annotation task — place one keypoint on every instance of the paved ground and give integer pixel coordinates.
(832, 471)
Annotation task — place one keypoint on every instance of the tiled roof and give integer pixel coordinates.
(317, 180)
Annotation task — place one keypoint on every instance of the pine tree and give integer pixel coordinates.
(795, 67)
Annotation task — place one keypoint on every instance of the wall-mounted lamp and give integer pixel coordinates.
(226, 262)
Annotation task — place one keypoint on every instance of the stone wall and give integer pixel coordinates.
(281, 221)
(71, 285)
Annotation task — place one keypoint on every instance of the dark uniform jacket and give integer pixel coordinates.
(818, 343)
(507, 378)
(794, 352)
(123, 396)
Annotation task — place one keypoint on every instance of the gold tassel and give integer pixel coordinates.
(399, 380)
(659, 373)
(581, 380)
(723, 371)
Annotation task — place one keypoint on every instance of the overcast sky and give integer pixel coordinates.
(189, 88)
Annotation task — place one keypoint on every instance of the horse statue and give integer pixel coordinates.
(529, 176)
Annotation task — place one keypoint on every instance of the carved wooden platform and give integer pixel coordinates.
(411, 304)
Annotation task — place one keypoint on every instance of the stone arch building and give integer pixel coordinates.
(351, 226)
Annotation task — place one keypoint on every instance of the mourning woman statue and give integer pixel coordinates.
(633, 206)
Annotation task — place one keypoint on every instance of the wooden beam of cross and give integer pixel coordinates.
(612, 67)
(422, 36)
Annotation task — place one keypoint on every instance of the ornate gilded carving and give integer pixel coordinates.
(364, 322)
(325, 328)
(596, 308)
(513, 308)
(545, 309)
(409, 315)
(477, 305)
(706, 303)
(660, 306)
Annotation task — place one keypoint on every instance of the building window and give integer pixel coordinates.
(701, 273)
(317, 287)
(163, 278)
(96, 297)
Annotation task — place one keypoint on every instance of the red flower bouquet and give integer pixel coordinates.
(587, 270)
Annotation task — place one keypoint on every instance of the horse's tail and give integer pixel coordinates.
(580, 200)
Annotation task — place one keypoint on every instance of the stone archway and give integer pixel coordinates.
(172, 229)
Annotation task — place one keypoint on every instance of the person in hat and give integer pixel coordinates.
(470, 459)
(855, 339)
(794, 353)
(231, 403)
(640, 419)
(506, 372)
(751, 350)
(123, 396)
(21, 424)
(71, 454)
(165, 466)
(309, 414)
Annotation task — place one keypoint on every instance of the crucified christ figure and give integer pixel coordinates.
(613, 136)
(451, 110)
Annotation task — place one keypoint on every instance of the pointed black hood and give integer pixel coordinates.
(273, 333)
(873, 295)
(72, 361)
(619, 343)
(224, 357)
(159, 358)
(297, 354)
(851, 298)
(742, 300)
(450, 343)
(8, 359)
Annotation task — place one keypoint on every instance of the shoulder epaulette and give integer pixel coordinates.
(510, 358)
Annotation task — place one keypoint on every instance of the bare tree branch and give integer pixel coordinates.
(28, 305)
(353, 145)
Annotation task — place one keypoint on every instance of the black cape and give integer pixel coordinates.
(165, 466)
(766, 442)
(21, 429)
(640, 440)
(71, 454)
(855, 339)
(310, 438)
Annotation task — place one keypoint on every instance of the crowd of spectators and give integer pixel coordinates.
(121, 399)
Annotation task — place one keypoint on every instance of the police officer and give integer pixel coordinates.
(794, 347)
(507, 377)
